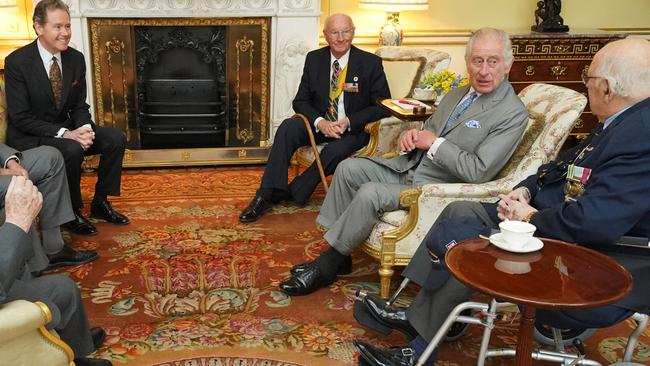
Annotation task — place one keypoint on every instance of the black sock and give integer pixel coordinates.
(100, 198)
(266, 193)
(329, 262)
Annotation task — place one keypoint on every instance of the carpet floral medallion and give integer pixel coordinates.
(187, 284)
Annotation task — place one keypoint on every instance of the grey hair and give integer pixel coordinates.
(329, 17)
(43, 6)
(493, 32)
(628, 75)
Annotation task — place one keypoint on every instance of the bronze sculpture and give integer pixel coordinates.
(547, 17)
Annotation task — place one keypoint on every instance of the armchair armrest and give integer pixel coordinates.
(384, 134)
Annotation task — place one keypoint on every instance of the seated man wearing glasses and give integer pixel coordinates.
(591, 195)
(338, 91)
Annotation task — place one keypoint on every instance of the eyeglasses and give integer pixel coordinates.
(345, 33)
(585, 78)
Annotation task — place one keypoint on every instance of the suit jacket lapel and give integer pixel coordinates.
(66, 62)
(445, 113)
(481, 103)
(353, 70)
(39, 71)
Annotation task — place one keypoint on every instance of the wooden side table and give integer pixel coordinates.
(403, 114)
(561, 276)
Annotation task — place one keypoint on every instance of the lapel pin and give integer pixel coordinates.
(355, 79)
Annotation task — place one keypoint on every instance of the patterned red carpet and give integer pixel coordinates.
(186, 284)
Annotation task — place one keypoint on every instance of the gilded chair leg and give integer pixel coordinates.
(385, 275)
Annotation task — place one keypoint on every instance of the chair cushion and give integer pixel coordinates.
(402, 74)
(3, 110)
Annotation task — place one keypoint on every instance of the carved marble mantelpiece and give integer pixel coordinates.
(293, 32)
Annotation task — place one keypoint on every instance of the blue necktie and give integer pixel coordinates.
(460, 108)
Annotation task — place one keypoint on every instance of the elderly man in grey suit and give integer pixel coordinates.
(22, 203)
(44, 166)
(469, 139)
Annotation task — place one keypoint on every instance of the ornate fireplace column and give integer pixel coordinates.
(293, 32)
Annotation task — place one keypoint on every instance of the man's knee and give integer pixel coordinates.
(459, 209)
(290, 127)
(369, 192)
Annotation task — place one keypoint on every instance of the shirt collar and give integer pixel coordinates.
(611, 118)
(46, 56)
(343, 60)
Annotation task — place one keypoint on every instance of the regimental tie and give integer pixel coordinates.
(55, 80)
(332, 113)
(460, 108)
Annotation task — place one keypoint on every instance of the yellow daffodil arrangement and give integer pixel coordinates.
(442, 81)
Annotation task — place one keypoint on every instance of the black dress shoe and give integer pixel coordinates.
(98, 335)
(85, 361)
(306, 282)
(70, 257)
(345, 268)
(258, 207)
(105, 211)
(389, 317)
(80, 225)
(397, 356)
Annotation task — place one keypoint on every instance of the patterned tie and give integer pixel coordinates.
(55, 80)
(332, 113)
(460, 108)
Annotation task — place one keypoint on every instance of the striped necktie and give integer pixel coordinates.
(55, 80)
(332, 113)
(460, 108)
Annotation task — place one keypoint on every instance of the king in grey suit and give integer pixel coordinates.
(454, 146)
(45, 167)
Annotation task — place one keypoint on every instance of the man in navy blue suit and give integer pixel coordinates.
(338, 109)
(591, 195)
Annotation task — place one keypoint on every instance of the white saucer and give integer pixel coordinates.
(426, 99)
(532, 245)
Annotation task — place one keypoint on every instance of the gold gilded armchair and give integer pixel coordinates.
(553, 111)
(25, 341)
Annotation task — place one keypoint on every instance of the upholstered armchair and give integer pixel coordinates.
(404, 66)
(553, 111)
(24, 340)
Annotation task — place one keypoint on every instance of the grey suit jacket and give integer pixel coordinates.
(478, 144)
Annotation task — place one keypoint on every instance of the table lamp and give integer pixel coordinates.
(391, 32)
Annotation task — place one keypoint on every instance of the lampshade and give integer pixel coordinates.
(394, 6)
(391, 33)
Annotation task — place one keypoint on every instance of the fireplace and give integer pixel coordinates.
(181, 86)
(194, 81)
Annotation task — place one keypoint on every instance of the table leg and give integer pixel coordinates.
(524, 351)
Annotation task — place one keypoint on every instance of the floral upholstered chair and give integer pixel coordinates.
(553, 111)
(404, 66)
(24, 340)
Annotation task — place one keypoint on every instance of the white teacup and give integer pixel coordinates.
(516, 233)
(424, 94)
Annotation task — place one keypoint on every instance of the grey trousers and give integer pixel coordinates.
(46, 170)
(360, 192)
(429, 309)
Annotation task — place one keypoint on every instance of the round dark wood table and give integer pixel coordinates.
(560, 276)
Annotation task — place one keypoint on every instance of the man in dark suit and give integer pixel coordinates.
(45, 168)
(46, 105)
(338, 92)
(591, 195)
(22, 203)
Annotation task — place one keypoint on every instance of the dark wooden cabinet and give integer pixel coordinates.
(560, 59)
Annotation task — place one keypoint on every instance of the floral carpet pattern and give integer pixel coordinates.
(187, 284)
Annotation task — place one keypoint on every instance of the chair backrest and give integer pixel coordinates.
(3, 110)
(553, 111)
(405, 66)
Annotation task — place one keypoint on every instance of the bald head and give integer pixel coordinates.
(626, 66)
(338, 19)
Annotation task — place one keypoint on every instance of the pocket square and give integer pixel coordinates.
(473, 124)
